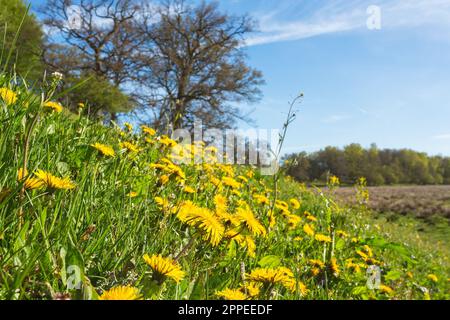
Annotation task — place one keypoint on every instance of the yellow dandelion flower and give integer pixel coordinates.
(185, 208)
(362, 254)
(243, 179)
(33, 183)
(341, 233)
(52, 182)
(8, 96)
(216, 182)
(308, 229)
(220, 202)
(333, 181)
(231, 294)
(303, 289)
(129, 147)
(204, 220)
(322, 238)
(227, 169)
(188, 189)
(129, 126)
(166, 141)
(157, 166)
(280, 275)
(55, 106)
(356, 267)
(334, 267)
(227, 218)
(149, 131)
(311, 218)
(230, 182)
(295, 204)
(290, 284)
(252, 290)
(272, 219)
(283, 206)
(265, 275)
(236, 192)
(164, 268)
(317, 263)
(164, 179)
(132, 194)
(177, 171)
(315, 271)
(104, 149)
(30, 183)
(161, 202)
(432, 277)
(261, 199)
(385, 289)
(235, 235)
(247, 217)
(122, 293)
(251, 246)
(368, 250)
(293, 221)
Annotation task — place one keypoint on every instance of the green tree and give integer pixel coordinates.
(446, 170)
(355, 158)
(26, 54)
(298, 166)
(99, 94)
(379, 167)
(104, 39)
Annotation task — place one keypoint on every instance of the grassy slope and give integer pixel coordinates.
(98, 228)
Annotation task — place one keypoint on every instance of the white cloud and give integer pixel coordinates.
(335, 118)
(445, 136)
(346, 15)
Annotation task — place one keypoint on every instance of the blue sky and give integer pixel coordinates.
(389, 86)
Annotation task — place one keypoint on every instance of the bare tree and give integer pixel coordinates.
(196, 68)
(99, 37)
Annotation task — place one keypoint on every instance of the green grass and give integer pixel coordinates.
(98, 230)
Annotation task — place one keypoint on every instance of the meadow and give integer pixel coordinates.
(424, 202)
(89, 211)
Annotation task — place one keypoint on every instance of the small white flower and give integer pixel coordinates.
(57, 75)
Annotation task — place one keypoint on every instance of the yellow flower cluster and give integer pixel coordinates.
(8, 96)
(164, 268)
(43, 179)
(104, 149)
(54, 106)
(53, 182)
(204, 220)
(122, 293)
(281, 275)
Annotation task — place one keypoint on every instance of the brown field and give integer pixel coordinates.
(421, 201)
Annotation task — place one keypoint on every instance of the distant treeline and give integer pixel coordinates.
(379, 167)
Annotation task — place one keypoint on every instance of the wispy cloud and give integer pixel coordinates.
(336, 118)
(445, 136)
(345, 15)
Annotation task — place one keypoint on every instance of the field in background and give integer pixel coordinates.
(416, 215)
(421, 201)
